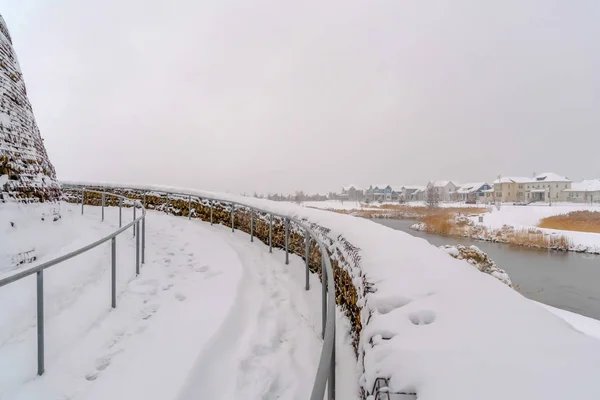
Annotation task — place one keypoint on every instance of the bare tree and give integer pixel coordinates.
(299, 196)
(433, 197)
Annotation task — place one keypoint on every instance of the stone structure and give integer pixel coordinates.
(26, 173)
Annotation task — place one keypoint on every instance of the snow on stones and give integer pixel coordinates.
(480, 260)
(25, 170)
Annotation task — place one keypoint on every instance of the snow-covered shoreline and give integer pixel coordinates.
(495, 222)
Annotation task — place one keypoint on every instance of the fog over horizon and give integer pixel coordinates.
(278, 96)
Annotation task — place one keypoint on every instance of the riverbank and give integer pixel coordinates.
(509, 224)
(566, 280)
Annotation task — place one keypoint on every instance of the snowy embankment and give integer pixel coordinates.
(210, 315)
(434, 325)
(528, 217)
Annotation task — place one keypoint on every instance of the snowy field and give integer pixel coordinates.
(530, 216)
(210, 316)
(336, 205)
(31, 228)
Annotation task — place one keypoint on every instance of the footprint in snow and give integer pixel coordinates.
(203, 268)
(180, 296)
(149, 310)
(423, 317)
(212, 274)
(92, 376)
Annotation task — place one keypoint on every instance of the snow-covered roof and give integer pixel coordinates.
(590, 185)
(381, 186)
(348, 187)
(471, 187)
(550, 177)
(488, 191)
(513, 179)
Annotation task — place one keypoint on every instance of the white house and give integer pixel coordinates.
(547, 187)
(587, 191)
(445, 190)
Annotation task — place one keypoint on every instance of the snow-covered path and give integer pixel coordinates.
(267, 348)
(211, 315)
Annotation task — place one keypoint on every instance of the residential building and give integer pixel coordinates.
(381, 192)
(353, 192)
(510, 188)
(547, 187)
(544, 187)
(488, 196)
(474, 191)
(587, 191)
(419, 194)
(407, 193)
(445, 190)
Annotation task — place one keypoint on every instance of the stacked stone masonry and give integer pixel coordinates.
(26, 173)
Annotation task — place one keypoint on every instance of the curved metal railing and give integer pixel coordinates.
(39, 269)
(325, 375)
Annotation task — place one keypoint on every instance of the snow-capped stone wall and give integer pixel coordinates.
(26, 173)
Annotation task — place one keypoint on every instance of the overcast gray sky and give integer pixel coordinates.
(243, 96)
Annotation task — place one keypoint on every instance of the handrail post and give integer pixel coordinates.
(323, 293)
(102, 206)
(190, 207)
(307, 255)
(137, 251)
(134, 225)
(113, 270)
(331, 381)
(271, 234)
(211, 213)
(252, 225)
(232, 217)
(144, 199)
(144, 240)
(82, 199)
(40, 321)
(167, 206)
(287, 241)
(120, 212)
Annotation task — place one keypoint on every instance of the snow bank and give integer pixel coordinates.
(438, 327)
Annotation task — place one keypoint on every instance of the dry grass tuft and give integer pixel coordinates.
(537, 238)
(582, 221)
(438, 223)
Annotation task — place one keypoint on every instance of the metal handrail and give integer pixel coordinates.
(39, 269)
(325, 376)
